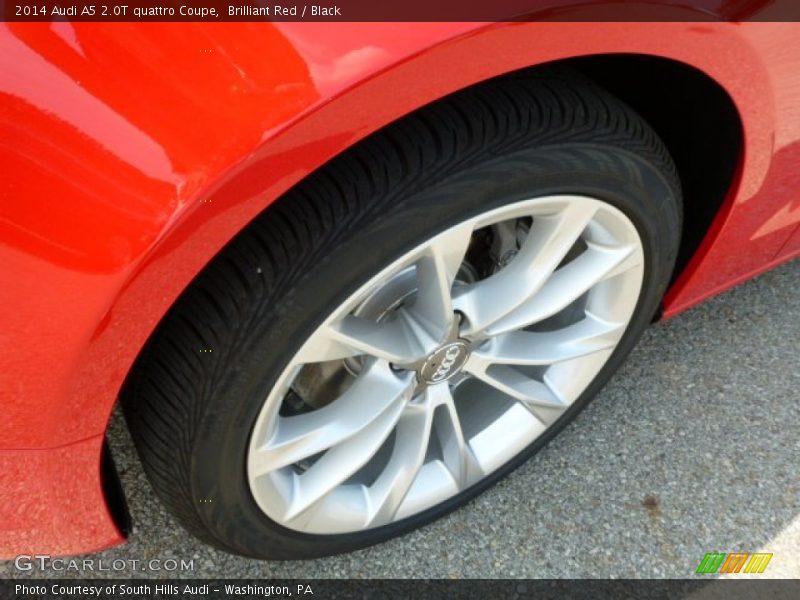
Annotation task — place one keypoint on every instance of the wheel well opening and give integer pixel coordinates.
(692, 114)
(695, 118)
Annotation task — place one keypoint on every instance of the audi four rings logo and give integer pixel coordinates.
(451, 355)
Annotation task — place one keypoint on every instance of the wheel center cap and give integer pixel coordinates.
(445, 362)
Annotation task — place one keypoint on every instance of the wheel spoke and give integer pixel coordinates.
(413, 437)
(376, 391)
(456, 453)
(436, 270)
(340, 462)
(568, 284)
(410, 446)
(548, 242)
(587, 336)
(511, 382)
(400, 339)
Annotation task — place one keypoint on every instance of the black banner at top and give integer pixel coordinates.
(404, 10)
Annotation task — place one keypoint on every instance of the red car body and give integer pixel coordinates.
(131, 153)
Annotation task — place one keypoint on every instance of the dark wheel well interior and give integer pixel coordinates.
(697, 121)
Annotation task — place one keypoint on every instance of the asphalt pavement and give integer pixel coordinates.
(693, 447)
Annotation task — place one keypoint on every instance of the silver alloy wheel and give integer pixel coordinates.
(435, 372)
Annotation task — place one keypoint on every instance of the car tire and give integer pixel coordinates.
(198, 399)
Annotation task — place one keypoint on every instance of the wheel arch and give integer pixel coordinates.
(714, 119)
(696, 119)
(288, 155)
